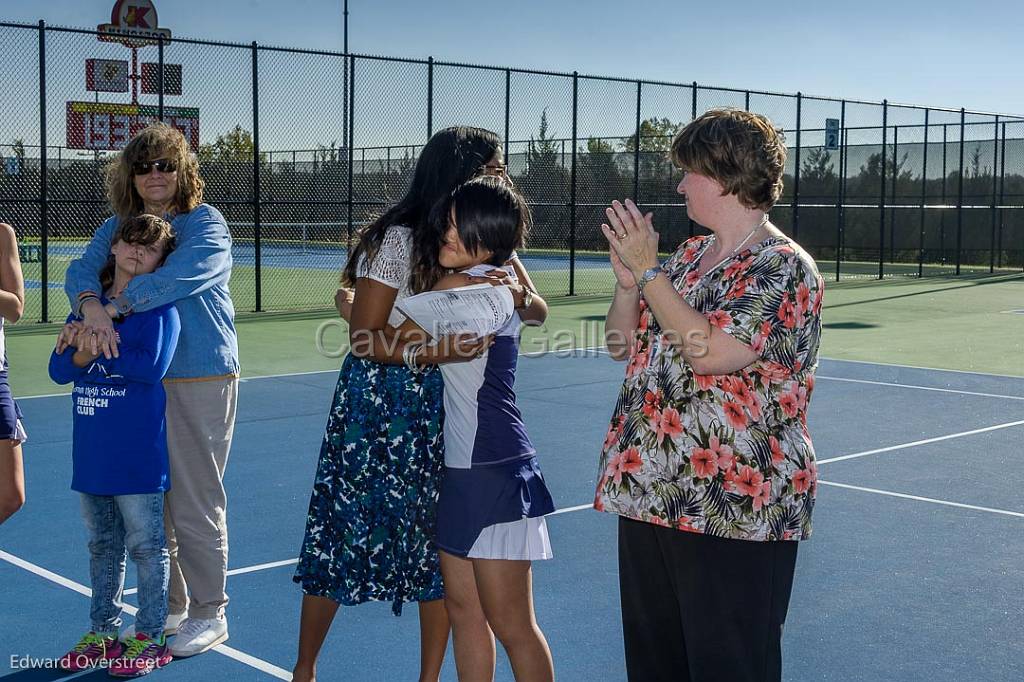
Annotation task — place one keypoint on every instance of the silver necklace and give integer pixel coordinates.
(764, 221)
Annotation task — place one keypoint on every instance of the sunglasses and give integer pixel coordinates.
(162, 165)
(499, 169)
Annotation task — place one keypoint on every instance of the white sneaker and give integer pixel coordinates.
(170, 626)
(196, 635)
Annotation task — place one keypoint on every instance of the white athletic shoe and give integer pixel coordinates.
(196, 635)
(170, 626)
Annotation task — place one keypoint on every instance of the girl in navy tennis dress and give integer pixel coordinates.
(490, 518)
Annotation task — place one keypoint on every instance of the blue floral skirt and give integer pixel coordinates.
(369, 533)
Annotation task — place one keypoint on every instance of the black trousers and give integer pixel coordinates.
(697, 608)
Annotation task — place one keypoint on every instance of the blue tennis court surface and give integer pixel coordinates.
(915, 570)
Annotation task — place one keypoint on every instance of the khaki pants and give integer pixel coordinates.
(200, 422)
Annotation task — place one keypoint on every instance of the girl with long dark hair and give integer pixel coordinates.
(371, 514)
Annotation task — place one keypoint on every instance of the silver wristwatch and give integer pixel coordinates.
(649, 275)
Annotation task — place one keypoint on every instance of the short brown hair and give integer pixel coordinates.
(158, 141)
(742, 151)
(142, 229)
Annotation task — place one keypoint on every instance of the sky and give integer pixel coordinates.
(933, 52)
(936, 53)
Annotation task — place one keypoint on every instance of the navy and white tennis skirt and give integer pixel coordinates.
(495, 512)
(10, 414)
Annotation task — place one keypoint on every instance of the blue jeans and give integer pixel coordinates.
(135, 523)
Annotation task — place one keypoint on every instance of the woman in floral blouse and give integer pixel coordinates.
(708, 461)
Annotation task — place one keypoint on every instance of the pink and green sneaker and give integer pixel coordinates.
(142, 655)
(93, 648)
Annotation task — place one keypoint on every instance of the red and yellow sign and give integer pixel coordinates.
(108, 126)
(133, 23)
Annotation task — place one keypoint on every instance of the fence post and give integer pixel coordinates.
(160, 76)
(430, 97)
(1002, 190)
(992, 237)
(796, 171)
(693, 116)
(636, 150)
(572, 187)
(942, 213)
(351, 138)
(746, 101)
(256, 175)
(881, 198)
(924, 198)
(44, 206)
(508, 99)
(892, 195)
(840, 185)
(960, 195)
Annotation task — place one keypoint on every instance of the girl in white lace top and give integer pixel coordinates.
(371, 514)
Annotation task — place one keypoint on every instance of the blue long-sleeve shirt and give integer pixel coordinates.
(194, 278)
(120, 434)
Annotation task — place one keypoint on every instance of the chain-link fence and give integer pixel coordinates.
(300, 148)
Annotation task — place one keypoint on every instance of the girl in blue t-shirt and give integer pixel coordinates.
(122, 478)
(490, 517)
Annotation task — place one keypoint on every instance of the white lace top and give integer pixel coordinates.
(392, 266)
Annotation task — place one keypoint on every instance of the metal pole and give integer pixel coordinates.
(924, 198)
(881, 199)
(572, 187)
(992, 236)
(942, 214)
(796, 171)
(160, 77)
(351, 130)
(508, 103)
(892, 196)
(1002, 190)
(841, 185)
(44, 208)
(636, 151)
(256, 175)
(693, 116)
(843, 178)
(344, 84)
(430, 97)
(746, 101)
(960, 195)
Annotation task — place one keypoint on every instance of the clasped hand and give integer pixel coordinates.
(632, 242)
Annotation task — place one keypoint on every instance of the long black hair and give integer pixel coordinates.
(448, 159)
(489, 214)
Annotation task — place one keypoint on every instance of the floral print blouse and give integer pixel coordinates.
(725, 455)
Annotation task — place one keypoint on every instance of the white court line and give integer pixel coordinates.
(291, 562)
(920, 367)
(240, 571)
(921, 388)
(223, 649)
(579, 507)
(918, 498)
(926, 441)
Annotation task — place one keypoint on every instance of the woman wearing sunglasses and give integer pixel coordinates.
(156, 173)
